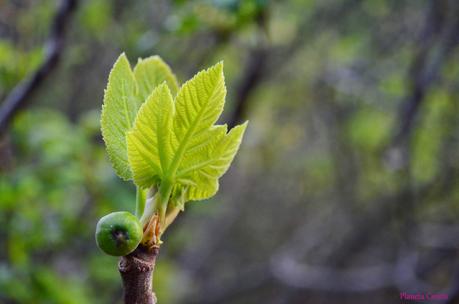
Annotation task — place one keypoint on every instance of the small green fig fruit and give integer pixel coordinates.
(118, 233)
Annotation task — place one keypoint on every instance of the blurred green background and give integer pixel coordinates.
(345, 189)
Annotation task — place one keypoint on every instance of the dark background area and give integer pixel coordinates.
(346, 186)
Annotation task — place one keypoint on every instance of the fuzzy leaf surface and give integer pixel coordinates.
(150, 73)
(178, 141)
(149, 141)
(118, 114)
(126, 91)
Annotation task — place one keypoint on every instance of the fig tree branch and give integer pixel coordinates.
(136, 271)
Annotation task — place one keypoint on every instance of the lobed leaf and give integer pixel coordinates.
(149, 141)
(118, 113)
(126, 91)
(199, 103)
(206, 171)
(178, 141)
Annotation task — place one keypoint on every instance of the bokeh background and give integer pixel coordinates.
(345, 189)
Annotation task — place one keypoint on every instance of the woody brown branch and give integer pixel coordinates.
(136, 271)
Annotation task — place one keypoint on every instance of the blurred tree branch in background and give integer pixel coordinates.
(344, 192)
(387, 208)
(251, 76)
(21, 94)
(438, 39)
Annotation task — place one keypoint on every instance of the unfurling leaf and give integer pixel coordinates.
(151, 72)
(149, 142)
(118, 113)
(126, 91)
(179, 143)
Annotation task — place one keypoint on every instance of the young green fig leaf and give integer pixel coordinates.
(118, 113)
(118, 233)
(126, 91)
(205, 172)
(178, 143)
(150, 73)
(149, 142)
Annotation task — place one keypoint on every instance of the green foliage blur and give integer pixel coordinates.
(324, 84)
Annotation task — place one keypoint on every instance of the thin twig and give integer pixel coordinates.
(22, 93)
(426, 66)
(251, 78)
(265, 61)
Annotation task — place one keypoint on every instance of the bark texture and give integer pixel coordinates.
(136, 271)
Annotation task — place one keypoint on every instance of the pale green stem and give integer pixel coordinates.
(141, 197)
(164, 193)
(157, 204)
